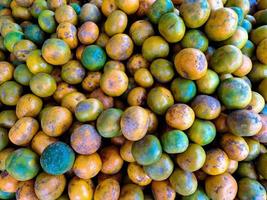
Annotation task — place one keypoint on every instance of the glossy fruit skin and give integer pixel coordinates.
(147, 150)
(85, 139)
(184, 183)
(7, 118)
(248, 49)
(244, 123)
(244, 68)
(93, 58)
(187, 86)
(195, 39)
(174, 34)
(11, 39)
(22, 75)
(116, 23)
(193, 68)
(141, 30)
(23, 48)
(234, 93)
(47, 21)
(4, 138)
(49, 187)
(6, 70)
(3, 155)
(10, 92)
(23, 131)
(214, 166)
(37, 7)
(162, 190)
(180, 116)
(220, 33)
(28, 105)
(160, 170)
(235, 147)
(162, 70)
(201, 7)
(108, 6)
(59, 118)
(174, 141)
(91, 81)
(158, 8)
(88, 110)
(34, 33)
(126, 151)
(51, 49)
(57, 158)
(131, 192)
(192, 159)
(108, 123)
(40, 141)
(71, 100)
(226, 59)
(206, 107)
(244, 5)
(22, 164)
(114, 82)
(250, 189)
(107, 189)
(111, 160)
(72, 72)
(254, 149)
(119, 47)
(36, 64)
(79, 189)
(159, 99)
(134, 123)
(65, 13)
(89, 12)
(68, 33)
(138, 175)
(26, 191)
(137, 96)
(87, 166)
(238, 39)
(155, 47)
(221, 186)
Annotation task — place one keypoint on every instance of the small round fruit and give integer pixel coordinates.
(134, 123)
(72, 72)
(221, 24)
(208, 83)
(10, 92)
(85, 139)
(191, 63)
(93, 57)
(107, 189)
(155, 47)
(250, 189)
(87, 166)
(137, 174)
(147, 150)
(192, 159)
(174, 141)
(244, 123)
(120, 47)
(180, 116)
(6, 71)
(184, 182)
(216, 162)
(195, 39)
(114, 82)
(161, 169)
(57, 158)
(206, 107)
(108, 123)
(43, 85)
(162, 70)
(261, 51)
(159, 99)
(22, 164)
(235, 147)
(56, 121)
(116, 23)
(221, 186)
(234, 93)
(88, 110)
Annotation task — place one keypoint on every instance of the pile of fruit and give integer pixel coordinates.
(133, 99)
